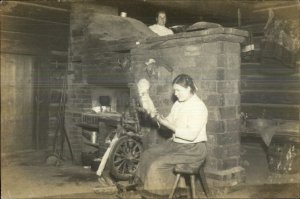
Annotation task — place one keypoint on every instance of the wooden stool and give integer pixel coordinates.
(192, 172)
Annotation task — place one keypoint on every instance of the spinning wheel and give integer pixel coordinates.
(125, 157)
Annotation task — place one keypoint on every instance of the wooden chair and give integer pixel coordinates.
(192, 173)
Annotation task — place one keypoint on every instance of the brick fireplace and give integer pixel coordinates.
(211, 57)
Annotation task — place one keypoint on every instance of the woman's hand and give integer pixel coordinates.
(162, 120)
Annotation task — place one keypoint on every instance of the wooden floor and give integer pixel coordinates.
(32, 178)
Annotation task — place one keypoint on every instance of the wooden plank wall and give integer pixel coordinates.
(269, 88)
(36, 29)
(31, 29)
(16, 102)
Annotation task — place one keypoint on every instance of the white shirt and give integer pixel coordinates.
(161, 30)
(189, 118)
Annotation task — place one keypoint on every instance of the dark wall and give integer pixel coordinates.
(80, 92)
(41, 32)
(270, 75)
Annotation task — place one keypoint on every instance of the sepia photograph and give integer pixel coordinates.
(150, 99)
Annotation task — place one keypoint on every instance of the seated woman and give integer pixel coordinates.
(187, 120)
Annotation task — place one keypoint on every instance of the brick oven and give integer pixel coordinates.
(211, 57)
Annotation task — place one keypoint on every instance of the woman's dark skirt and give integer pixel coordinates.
(155, 169)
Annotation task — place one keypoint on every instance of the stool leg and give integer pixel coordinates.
(203, 182)
(193, 187)
(174, 186)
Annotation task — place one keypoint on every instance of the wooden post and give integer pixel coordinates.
(239, 18)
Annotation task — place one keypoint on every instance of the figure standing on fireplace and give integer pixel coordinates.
(160, 26)
(187, 120)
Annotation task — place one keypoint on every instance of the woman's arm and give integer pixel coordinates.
(192, 121)
(165, 122)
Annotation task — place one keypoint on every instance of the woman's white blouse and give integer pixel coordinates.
(189, 118)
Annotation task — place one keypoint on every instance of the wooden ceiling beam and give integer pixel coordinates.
(32, 19)
(278, 8)
(40, 5)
